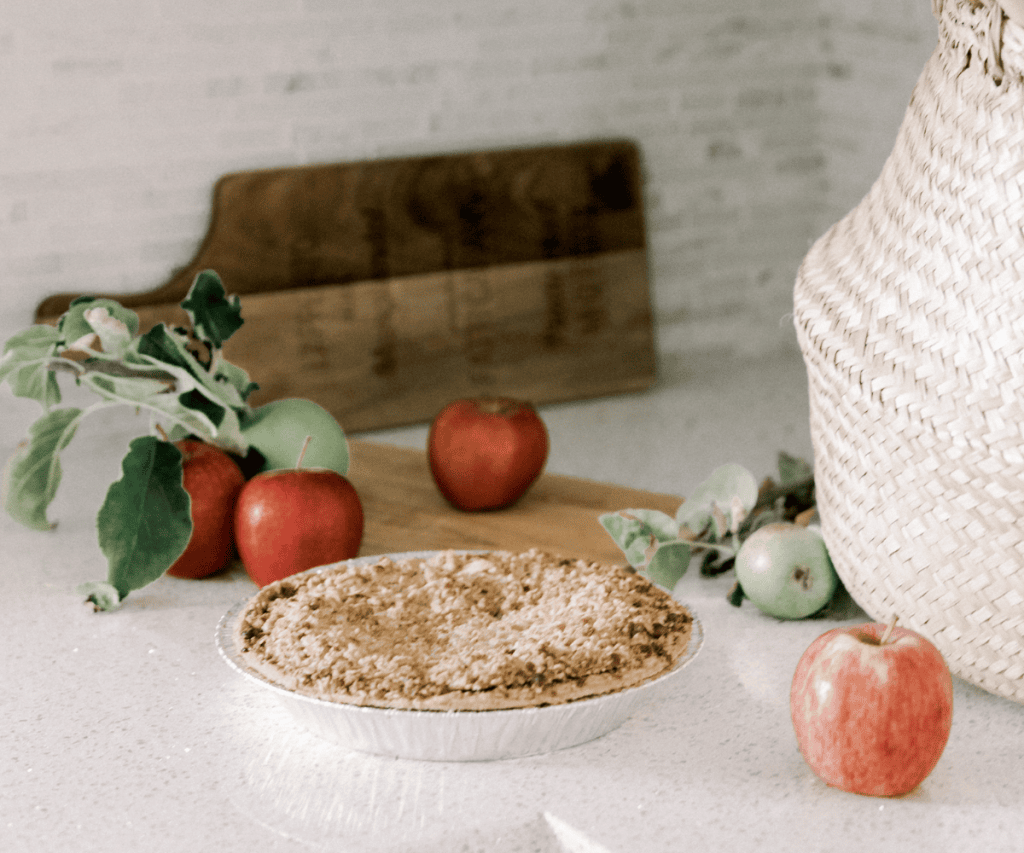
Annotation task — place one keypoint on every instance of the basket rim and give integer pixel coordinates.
(983, 33)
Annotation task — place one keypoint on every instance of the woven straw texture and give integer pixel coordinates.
(910, 315)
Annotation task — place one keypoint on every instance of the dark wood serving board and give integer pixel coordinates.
(384, 289)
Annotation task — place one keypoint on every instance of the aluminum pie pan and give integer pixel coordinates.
(453, 735)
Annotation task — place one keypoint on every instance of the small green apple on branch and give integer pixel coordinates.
(176, 374)
(732, 521)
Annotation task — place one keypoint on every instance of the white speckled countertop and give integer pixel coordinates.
(125, 731)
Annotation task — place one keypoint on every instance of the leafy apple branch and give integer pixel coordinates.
(176, 374)
(712, 523)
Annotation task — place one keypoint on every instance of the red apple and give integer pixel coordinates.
(213, 480)
(872, 706)
(290, 520)
(485, 453)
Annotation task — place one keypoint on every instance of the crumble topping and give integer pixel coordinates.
(457, 631)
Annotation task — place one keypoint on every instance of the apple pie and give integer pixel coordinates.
(453, 630)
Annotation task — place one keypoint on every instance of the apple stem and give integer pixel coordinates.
(887, 633)
(161, 432)
(302, 453)
(498, 405)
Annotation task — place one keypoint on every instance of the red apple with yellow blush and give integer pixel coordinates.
(872, 708)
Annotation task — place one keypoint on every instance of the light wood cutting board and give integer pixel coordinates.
(405, 512)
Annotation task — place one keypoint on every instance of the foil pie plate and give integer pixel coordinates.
(454, 735)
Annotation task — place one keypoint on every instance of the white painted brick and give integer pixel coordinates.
(759, 123)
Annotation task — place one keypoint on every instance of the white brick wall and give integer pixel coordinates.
(875, 50)
(760, 123)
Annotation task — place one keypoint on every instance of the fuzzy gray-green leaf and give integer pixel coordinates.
(103, 595)
(25, 364)
(34, 472)
(630, 534)
(658, 524)
(729, 486)
(74, 325)
(669, 563)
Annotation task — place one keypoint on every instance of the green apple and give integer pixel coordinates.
(786, 571)
(278, 430)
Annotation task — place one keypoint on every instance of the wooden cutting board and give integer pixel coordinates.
(405, 512)
(385, 289)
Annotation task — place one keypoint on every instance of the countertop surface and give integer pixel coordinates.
(126, 731)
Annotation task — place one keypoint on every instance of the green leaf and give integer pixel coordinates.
(73, 324)
(630, 534)
(636, 531)
(145, 523)
(717, 561)
(165, 347)
(142, 392)
(669, 563)
(228, 435)
(792, 469)
(34, 472)
(25, 364)
(115, 335)
(736, 595)
(132, 390)
(168, 349)
(731, 487)
(102, 594)
(208, 405)
(660, 525)
(197, 401)
(236, 378)
(214, 316)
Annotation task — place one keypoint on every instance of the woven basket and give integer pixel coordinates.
(910, 315)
